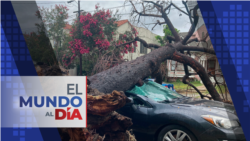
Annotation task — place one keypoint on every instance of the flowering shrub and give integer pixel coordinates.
(127, 36)
(94, 29)
(94, 35)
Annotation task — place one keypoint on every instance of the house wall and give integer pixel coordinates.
(73, 72)
(143, 33)
(200, 34)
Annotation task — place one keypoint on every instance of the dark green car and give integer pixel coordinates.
(164, 115)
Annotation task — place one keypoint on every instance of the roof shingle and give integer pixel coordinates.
(119, 23)
(67, 26)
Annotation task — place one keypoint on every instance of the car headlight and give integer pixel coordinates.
(221, 122)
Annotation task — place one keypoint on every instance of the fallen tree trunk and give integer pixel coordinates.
(127, 74)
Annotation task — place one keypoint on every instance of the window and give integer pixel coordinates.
(143, 50)
(173, 65)
(138, 101)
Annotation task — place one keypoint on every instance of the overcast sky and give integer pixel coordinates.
(180, 22)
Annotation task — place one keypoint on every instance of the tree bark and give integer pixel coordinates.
(103, 122)
(127, 74)
(80, 59)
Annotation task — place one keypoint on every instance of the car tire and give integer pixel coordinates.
(173, 129)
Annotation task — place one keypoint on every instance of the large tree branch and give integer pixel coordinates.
(192, 40)
(164, 15)
(124, 44)
(199, 69)
(145, 44)
(171, 27)
(184, 80)
(192, 28)
(196, 48)
(124, 76)
(170, 38)
(127, 74)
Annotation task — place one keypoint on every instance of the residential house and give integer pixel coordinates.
(145, 34)
(209, 62)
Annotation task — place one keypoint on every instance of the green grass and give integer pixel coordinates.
(178, 85)
(222, 89)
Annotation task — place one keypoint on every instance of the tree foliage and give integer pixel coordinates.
(39, 44)
(54, 20)
(93, 37)
(167, 32)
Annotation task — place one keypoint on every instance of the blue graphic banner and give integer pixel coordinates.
(16, 61)
(227, 23)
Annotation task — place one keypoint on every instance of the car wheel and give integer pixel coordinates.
(175, 133)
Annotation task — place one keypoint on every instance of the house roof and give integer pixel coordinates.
(121, 22)
(183, 34)
(67, 26)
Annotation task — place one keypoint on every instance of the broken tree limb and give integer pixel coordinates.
(192, 40)
(158, 76)
(103, 122)
(145, 44)
(184, 80)
(170, 38)
(200, 71)
(103, 104)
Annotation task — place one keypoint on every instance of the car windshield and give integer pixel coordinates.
(155, 92)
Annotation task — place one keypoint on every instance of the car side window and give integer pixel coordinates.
(138, 101)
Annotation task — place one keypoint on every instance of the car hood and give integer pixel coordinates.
(208, 103)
